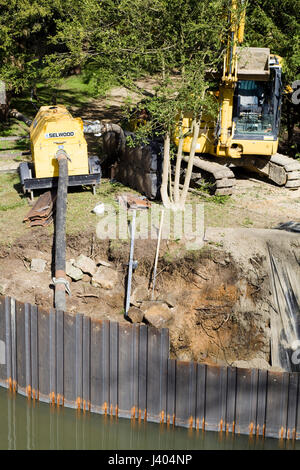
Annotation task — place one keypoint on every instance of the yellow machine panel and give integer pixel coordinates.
(54, 128)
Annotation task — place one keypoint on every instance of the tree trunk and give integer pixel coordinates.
(178, 167)
(165, 175)
(196, 129)
(5, 99)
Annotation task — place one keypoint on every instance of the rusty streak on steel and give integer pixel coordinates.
(125, 370)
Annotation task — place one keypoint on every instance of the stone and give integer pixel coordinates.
(74, 273)
(184, 355)
(105, 277)
(30, 254)
(135, 314)
(103, 263)
(38, 265)
(87, 265)
(157, 314)
(138, 295)
(255, 363)
(168, 298)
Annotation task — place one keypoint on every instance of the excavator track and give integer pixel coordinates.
(280, 169)
(224, 178)
(141, 169)
(288, 166)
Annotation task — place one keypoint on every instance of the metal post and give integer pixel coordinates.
(130, 264)
(60, 282)
(157, 252)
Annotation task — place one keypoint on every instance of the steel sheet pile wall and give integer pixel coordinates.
(125, 370)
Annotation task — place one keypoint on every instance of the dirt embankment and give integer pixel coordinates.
(218, 298)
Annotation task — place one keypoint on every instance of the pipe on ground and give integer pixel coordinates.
(60, 281)
(15, 114)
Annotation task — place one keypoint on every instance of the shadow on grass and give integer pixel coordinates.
(48, 96)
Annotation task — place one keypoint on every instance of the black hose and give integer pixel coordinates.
(15, 114)
(60, 232)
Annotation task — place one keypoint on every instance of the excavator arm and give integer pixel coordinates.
(237, 17)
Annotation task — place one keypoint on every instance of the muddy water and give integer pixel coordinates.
(28, 425)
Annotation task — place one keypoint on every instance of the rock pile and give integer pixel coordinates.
(99, 273)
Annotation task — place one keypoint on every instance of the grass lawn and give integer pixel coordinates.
(74, 92)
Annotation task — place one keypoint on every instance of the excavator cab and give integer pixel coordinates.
(256, 109)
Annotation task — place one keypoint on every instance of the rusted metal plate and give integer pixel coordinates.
(215, 409)
(27, 314)
(163, 370)
(158, 347)
(42, 206)
(125, 375)
(99, 344)
(277, 399)
(185, 394)
(70, 359)
(171, 401)
(246, 401)
(44, 222)
(201, 396)
(102, 349)
(231, 399)
(86, 365)
(43, 355)
(60, 357)
(78, 359)
(42, 211)
(20, 347)
(34, 351)
(292, 405)
(52, 358)
(153, 375)
(134, 385)
(113, 367)
(262, 379)
(142, 371)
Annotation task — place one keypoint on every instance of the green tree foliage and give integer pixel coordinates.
(127, 39)
(276, 24)
(24, 30)
(132, 36)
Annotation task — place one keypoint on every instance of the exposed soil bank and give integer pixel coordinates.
(216, 301)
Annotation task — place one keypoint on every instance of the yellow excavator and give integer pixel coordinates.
(247, 129)
(245, 134)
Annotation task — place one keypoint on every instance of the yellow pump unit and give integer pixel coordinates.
(55, 129)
